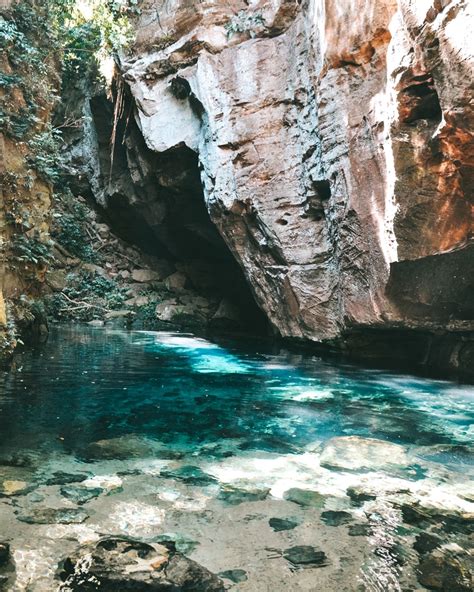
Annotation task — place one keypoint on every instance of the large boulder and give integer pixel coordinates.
(123, 564)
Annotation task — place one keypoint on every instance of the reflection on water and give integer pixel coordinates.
(185, 427)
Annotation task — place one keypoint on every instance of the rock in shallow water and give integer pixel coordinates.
(305, 497)
(306, 555)
(234, 495)
(189, 474)
(54, 516)
(336, 518)
(80, 494)
(116, 564)
(446, 572)
(234, 575)
(279, 524)
(354, 453)
(4, 553)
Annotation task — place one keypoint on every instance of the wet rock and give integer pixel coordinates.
(189, 474)
(119, 563)
(54, 516)
(305, 497)
(63, 478)
(182, 543)
(354, 453)
(120, 448)
(426, 542)
(359, 530)
(446, 572)
(306, 555)
(11, 487)
(359, 495)
(234, 495)
(79, 494)
(336, 518)
(279, 524)
(4, 553)
(234, 575)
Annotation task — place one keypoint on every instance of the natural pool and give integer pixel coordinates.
(279, 471)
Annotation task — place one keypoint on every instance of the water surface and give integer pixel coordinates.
(160, 435)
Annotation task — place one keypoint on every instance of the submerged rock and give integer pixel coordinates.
(279, 524)
(116, 564)
(305, 497)
(354, 453)
(80, 494)
(306, 555)
(426, 542)
(54, 516)
(11, 487)
(234, 575)
(336, 518)
(63, 478)
(446, 572)
(4, 553)
(189, 474)
(234, 495)
(120, 448)
(359, 495)
(360, 530)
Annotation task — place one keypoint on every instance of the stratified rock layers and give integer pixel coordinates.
(335, 149)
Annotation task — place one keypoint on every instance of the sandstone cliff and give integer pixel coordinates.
(335, 151)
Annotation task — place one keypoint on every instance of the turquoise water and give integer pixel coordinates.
(183, 424)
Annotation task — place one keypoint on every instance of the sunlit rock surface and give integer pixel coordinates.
(334, 143)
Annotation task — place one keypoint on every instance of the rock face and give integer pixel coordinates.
(335, 149)
(116, 563)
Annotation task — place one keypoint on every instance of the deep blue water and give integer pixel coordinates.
(89, 384)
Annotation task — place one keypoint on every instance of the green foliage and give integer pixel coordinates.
(27, 249)
(69, 228)
(45, 154)
(244, 22)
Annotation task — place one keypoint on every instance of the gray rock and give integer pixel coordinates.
(63, 478)
(305, 497)
(306, 556)
(234, 575)
(279, 524)
(54, 516)
(235, 495)
(116, 564)
(336, 517)
(79, 494)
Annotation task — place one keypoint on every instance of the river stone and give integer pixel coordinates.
(359, 530)
(234, 575)
(234, 495)
(62, 478)
(146, 275)
(306, 555)
(336, 517)
(359, 495)
(445, 572)
(54, 516)
(189, 474)
(116, 564)
(279, 524)
(80, 494)
(120, 448)
(12, 487)
(305, 497)
(354, 453)
(426, 542)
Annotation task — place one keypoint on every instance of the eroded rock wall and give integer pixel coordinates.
(335, 146)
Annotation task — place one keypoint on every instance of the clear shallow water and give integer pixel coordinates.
(179, 436)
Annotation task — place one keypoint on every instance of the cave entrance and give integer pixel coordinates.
(155, 201)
